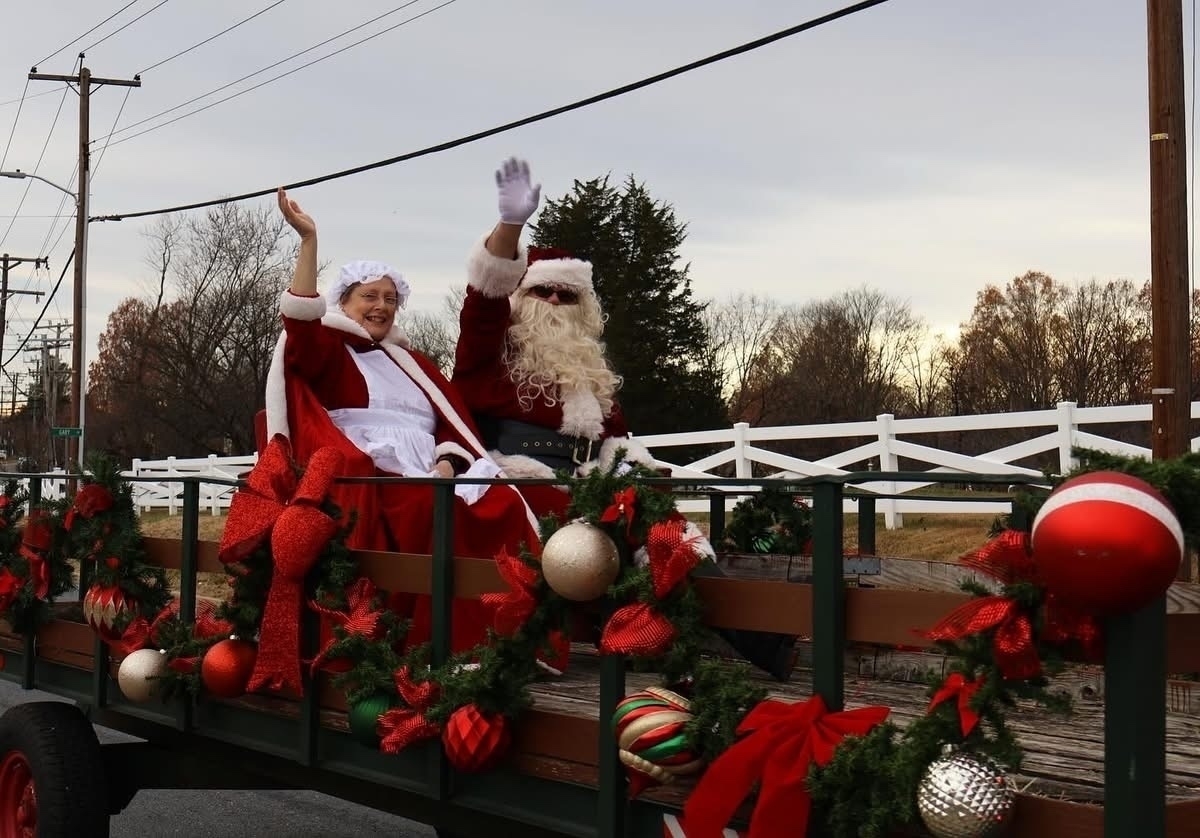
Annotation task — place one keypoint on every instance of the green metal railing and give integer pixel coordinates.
(1135, 664)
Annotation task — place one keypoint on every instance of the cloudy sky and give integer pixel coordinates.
(922, 147)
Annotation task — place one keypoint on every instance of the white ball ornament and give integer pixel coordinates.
(580, 561)
(140, 673)
(1106, 543)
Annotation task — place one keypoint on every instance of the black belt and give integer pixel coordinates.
(549, 447)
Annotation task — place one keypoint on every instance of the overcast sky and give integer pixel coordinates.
(922, 147)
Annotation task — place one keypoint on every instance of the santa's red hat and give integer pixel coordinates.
(557, 267)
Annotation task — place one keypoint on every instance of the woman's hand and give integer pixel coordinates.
(300, 221)
(518, 200)
(443, 469)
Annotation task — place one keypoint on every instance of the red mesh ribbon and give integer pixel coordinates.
(402, 726)
(780, 742)
(255, 508)
(299, 535)
(90, 500)
(1006, 558)
(511, 610)
(957, 687)
(36, 539)
(360, 619)
(641, 629)
(623, 507)
(141, 633)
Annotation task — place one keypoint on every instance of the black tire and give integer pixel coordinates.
(49, 752)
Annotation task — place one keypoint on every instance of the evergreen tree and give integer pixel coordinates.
(656, 335)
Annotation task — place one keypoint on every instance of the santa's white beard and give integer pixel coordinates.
(555, 349)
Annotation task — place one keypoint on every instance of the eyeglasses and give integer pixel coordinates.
(372, 297)
(545, 292)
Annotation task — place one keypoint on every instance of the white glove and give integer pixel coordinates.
(518, 200)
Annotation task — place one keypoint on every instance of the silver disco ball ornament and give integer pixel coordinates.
(965, 796)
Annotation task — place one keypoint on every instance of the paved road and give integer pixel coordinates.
(239, 814)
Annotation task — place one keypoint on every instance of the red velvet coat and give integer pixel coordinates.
(313, 372)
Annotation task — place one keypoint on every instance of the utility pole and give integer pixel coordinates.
(84, 81)
(7, 263)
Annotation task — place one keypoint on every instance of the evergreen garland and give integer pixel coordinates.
(772, 520)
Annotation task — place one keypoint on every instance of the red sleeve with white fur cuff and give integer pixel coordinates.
(301, 308)
(455, 449)
(493, 276)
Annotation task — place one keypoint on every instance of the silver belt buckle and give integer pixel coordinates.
(587, 457)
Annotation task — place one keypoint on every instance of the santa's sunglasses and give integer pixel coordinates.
(545, 292)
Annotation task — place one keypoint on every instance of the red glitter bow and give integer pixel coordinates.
(360, 619)
(511, 610)
(402, 726)
(956, 686)
(780, 742)
(640, 628)
(299, 535)
(256, 507)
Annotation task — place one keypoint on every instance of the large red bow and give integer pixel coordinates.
(1005, 558)
(360, 619)
(36, 540)
(511, 610)
(781, 743)
(256, 507)
(640, 628)
(300, 533)
(402, 726)
(90, 500)
(956, 686)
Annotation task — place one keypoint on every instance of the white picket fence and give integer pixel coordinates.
(881, 443)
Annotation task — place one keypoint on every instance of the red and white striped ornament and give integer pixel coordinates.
(1107, 543)
(673, 828)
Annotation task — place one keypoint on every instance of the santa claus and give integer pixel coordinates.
(530, 361)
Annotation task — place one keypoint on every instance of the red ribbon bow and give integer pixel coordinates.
(511, 610)
(1005, 558)
(640, 628)
(255, 508)
(299, 534)
(360, 619)
(36, 539)
(956, 686)
(402, 726)
(90, 500)
(624, 506)
(207, 626)
(781, 743)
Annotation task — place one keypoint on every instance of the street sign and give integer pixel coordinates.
(66, 432)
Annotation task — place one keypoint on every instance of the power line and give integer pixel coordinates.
(36, 166)
(125, 26)
(285, 74)
(16, 119)
(85, 34)
(212, 37)
(25, 340)
(262, 70)
(529, 120)
(31, 96)
(120, 110)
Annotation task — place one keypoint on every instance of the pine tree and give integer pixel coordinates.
(655, 333)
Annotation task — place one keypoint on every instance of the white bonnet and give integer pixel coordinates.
(363, 270)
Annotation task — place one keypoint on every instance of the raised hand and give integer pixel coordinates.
(518, 200)
(300, 221)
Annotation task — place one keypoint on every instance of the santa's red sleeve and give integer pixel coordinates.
(483, 320)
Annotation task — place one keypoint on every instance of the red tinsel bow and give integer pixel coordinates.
(956, 686)
(90, 500)
(255, 508)
(36, 539)
(207, 626)
(1005, 558)
(784, 740)
(640, 628)
(511, 610)
(624, 506)
(300, 533)
(402, 726)
(360, 619)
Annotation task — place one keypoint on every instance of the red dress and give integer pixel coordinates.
(314, 372)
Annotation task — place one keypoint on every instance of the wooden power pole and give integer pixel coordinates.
(84, 82)
(7, 263)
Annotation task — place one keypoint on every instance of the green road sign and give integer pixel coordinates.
(66, 432)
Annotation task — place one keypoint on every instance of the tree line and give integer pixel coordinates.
(181, 368)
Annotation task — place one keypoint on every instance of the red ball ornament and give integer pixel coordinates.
(1107, 543)
(226, 667)
(106, 606)
(475, 742)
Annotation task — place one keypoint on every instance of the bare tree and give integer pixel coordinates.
(740, 330)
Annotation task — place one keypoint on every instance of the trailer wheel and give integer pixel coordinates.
(51, 774)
